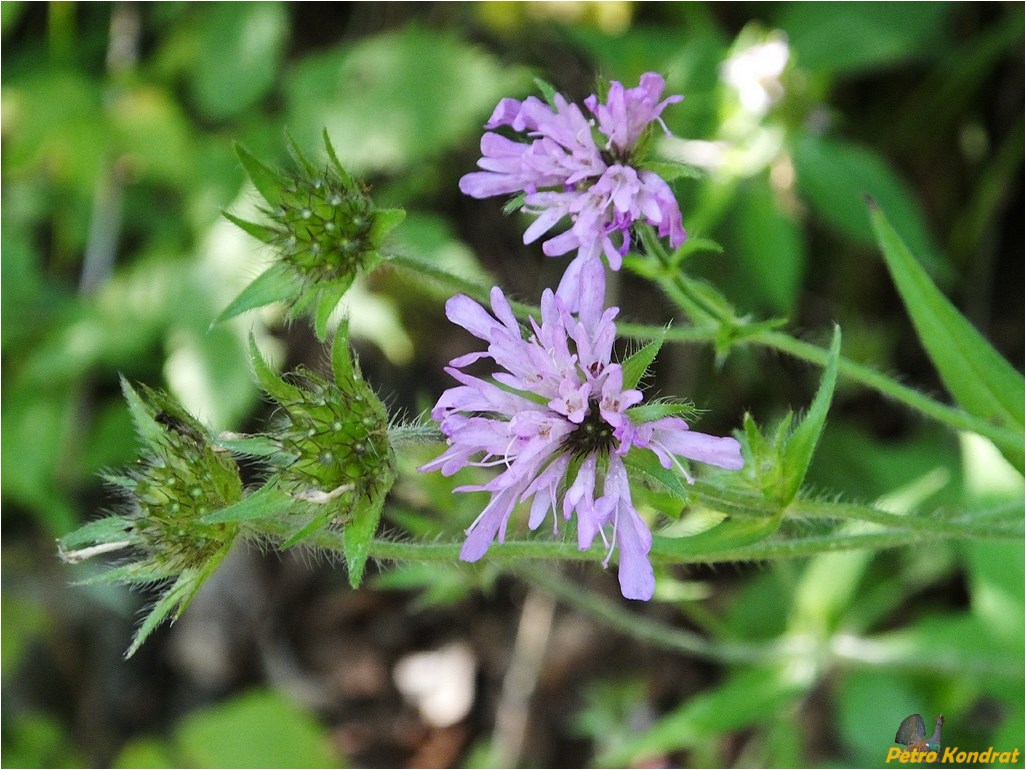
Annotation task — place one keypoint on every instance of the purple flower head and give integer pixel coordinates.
(555, 419)
(564, 171)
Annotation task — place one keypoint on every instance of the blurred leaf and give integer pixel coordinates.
(850, 37)
(238, 55)
(871, 705)
(745, 698)
(982, 382)
(397, 98)
(256, 729)
(146, 753)
(769, 248)
(35, 739)
(835, 177)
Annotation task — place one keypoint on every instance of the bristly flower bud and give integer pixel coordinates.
(181, 479)
(335, 458)
(325, 229)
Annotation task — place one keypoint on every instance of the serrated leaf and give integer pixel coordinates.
(327, 300)
(647, 464)
(796, 454)
(262, 233)
(385, 220)
(266, 502)
(732, 533)
(269, 183)
(357, 536)
(975, 374)
(636, 365)
(276, 284)
(280, 390)
(650, 412)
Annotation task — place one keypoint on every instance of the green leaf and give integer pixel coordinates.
(177, 596)
(385, 220)
(251, 446)
(280, 390)
(656, 411)
(347, 178)
(266, 502)
(258, 728)
(327, 300)
(238, 56)
(341, 359)
(276, 284)
(725, 536)
(262, 233)
(357, 536)
(980, 380)
(269, 183)
(834, 177)
(647, 464)
(637, 364)
(796, 455)
(746, 698)
(110, 529)
(149, 429)
(547, 91)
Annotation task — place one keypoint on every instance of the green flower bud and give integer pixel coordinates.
(325, 229)
(335, 455)
(163, 534)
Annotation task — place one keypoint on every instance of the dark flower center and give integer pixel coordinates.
(593, 435)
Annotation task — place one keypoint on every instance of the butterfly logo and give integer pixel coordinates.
(912, 733)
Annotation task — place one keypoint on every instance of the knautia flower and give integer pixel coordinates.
(557, 419)
(572, 168)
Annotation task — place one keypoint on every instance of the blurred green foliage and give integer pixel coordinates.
(117, 126)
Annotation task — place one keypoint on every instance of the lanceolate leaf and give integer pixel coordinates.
(269, 381)
(147, 428)
(980, 380)
(637, 363)
(276, 284)
(729, 534)
(260, 232)
(646, 464)
(327, 301)
(267, 501)
(109, 529)
(269, 183)
(796, 455)
(384, 221)
(357, 537)
(341, 358)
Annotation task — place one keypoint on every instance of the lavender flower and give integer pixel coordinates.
(556, 419)
(564, 172)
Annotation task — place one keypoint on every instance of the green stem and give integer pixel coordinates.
(955, 418)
